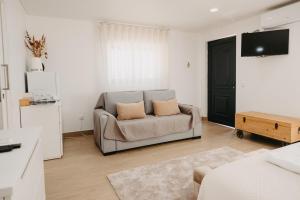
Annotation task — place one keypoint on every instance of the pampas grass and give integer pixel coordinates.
(37, 47)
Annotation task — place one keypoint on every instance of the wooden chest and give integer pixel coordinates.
(286, 129)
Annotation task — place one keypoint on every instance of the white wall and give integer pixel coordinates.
(267, 84)
(183, 48)
(71, 45)
(72, 53)
(263, 84)
(14, 17)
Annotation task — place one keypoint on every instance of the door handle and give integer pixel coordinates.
(276, 126)
(6, 76)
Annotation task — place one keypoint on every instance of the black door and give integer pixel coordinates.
(221, 81)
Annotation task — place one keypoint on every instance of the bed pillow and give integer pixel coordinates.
(128, 111)
(165, 108)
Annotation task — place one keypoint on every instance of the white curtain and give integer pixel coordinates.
(133, 57)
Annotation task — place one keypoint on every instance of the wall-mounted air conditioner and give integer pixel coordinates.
(282, 16)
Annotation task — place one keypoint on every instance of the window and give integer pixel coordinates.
(134, 57)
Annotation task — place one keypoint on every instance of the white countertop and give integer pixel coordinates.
(14, 163)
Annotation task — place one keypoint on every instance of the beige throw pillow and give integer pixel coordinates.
(164, 108)
(128, 111)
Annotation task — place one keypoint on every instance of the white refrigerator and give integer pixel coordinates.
(45, 112)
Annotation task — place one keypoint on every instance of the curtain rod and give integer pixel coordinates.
(132, 24)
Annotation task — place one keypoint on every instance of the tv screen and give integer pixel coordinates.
(265, 43)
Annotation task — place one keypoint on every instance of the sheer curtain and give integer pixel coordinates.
(133, 57)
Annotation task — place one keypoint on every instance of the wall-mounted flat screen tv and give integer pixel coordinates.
(266, 43)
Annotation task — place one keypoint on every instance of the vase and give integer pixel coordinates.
(36, 64)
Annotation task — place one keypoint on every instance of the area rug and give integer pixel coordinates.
(169, 180)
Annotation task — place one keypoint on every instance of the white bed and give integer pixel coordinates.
(252, 178)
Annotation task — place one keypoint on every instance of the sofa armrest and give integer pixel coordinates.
(185, 108)
(102, 117)
(100, 120)
(194, 111)
(102, 112)
(188, 109)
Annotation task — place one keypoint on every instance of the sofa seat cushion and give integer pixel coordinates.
(152, 126)
(151, 95)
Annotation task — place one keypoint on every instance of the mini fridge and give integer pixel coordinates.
(44, 112)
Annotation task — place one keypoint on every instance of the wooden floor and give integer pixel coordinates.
(81, 173)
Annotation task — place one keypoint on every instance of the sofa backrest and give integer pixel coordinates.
(150, 95)
(112, 98)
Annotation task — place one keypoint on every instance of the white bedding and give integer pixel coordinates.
(287, 158)
(252, 178)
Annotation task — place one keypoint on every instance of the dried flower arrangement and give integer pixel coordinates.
(37, 47)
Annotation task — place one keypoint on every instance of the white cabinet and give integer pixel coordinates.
(22, 170)
(47, 116)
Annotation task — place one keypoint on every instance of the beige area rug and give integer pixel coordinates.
(169, 180)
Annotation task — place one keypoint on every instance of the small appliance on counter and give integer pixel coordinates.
(43, 86)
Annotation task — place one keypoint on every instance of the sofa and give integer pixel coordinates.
(112, 135)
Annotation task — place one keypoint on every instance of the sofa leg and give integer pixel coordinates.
(197, 137)
(109, 153)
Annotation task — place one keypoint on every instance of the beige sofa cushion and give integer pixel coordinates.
(158, 95)
(165, 108)
(112, 98)
(128, 111)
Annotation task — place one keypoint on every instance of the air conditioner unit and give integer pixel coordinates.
(282, 16)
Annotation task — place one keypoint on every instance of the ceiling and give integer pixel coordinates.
(189, 15)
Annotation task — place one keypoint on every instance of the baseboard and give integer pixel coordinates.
(77, 133)
(204, 119)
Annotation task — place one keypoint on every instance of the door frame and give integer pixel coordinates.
(4, 84)
(209, 80)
